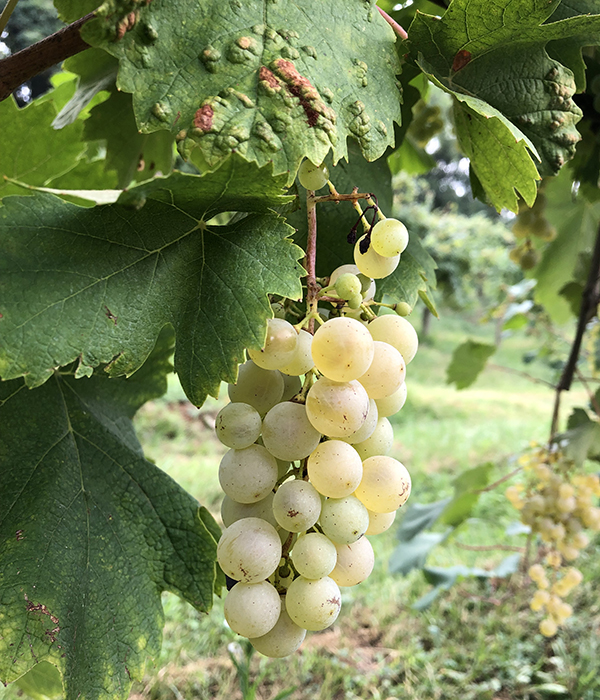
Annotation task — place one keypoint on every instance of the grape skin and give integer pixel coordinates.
(311, 176)
(389, 237)
(314, 555)
(354, 562)
(296, 505)
(337, 409)
(342, 349)
(302, 361)
(335, 468)
(232, 511)
(284, 639)
(249, 550)
(379, 443)
(367, 428)
(238, 425)
(248, 475)
(313, 604)
(344, 520)
(287, 432)
(261, 388)
(392, 404)
(385, 485)
(396, 331)
(252, 609)
(386, 373)
(280, 345)
(372, 264)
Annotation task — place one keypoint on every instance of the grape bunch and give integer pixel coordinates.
(308, 473)
(531, 223)
(556, 503)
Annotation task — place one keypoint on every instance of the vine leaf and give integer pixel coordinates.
(494, 56)
(30, 149)
(99, 283)
(91, 533)
(468, 361)
(271, 81)
(415, 275)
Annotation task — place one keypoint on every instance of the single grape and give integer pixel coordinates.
(347, 286)
(287, 432)
(252, 609)
(342, 349)
(368, 427)
(379, 443)
(372, 264)
(396, 331)
(302, 361)
(337, 409)
(296, 505)
(238, 425)
(335, 468)
(386, 373)
(282, 640)
(389, 237)
(385, 485)
(248, 475)
(231, 510)
(392, 404)
(380, 522)
(403, 308)
(344, 520)
(261, 388)
(312, 176)
(313, 604)
(292, 385)
(249, 550)
(354, 562)
(280, 345)
(314, 555)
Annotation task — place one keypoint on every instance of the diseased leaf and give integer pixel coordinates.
(468, 361)
(30, 149)
(43, 682)
(91, 533)
(495, 55)
(99, 284)
(270, 81)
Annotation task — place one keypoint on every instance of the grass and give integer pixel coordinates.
(479, 641)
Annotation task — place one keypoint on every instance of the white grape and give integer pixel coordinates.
(252, 609)
(261, 388)
(396, 331)
(314, 555)
(337, 409)
(342, 349)
(367, 428)
(389, 237)
(380, 522)
(386, 373)
(311, 176)
(372, 264)
(367, 294)
(392, 404)
(296, 505)
(379, 443)
(249, 550)
(238, 425)
(354, 562)
(248, 475)
(313, 604)
(302, 361)
(284, 639)
(292, 385)
(335, 468)
(344, 520)
(231, 510)
(279, 347)
(385, 485)
(287, 432)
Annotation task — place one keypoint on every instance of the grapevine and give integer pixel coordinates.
(308, 473)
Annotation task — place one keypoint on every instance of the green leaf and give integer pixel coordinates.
(473, 479)
(114, 275)
(43, 682)
(273, 82)
(70, 10)
(475, 51)
(91, 533)
(582, 438)
(413, 553)
(418, 517)
(30, 149)
(468, 361)
(576, 221)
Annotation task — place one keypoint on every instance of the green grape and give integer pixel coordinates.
(344, 520)
(355, 301)
(337, 409)
(396, 331)
(529, 259)
(335, 468)
(314, 555)
(354, 562)
(287, 432)
(261, 388)
(238, 425)
(232, 511)
(385, 485)
(280, 345)
(312, 176)
(342, 349)
(249, 550)
(379, 442)
(347, 286)
(284, 639)
(296, 505)
(313, 604)
(302, 361)
(392, 404)
(248, 475)
(386, 373)
(292, 385)
(371, 264)
(252, 609)
(389, 237)
(403, 308)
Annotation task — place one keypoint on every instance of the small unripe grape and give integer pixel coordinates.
(312, 176)
(347, 286)
(403, 308)
(389, 237)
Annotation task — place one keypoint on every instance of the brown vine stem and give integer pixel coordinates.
(352, 197)
(393, 24)
(489, 547)
(310, 259)
(25, 64)
(589, 307)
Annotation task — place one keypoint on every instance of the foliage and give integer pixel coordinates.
(93, 297)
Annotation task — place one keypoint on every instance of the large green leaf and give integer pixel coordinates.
(493, 59)
(98, 284)
(468, 361)
(272, 81)
(30, 149)
(91, 533)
